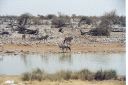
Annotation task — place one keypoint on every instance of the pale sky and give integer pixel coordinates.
(69, 7)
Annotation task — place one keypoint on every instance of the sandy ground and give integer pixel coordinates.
(40, 48)
(18, 81)
(80, 43)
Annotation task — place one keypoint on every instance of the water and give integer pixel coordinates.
(51, 63)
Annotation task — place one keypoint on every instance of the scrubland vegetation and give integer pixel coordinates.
(55, 33)
(69, 75)
(59, 29)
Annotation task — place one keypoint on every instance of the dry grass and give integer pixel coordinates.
(69, 75)
(64, 82)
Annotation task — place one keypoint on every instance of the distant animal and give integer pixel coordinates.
(64, 47)
(60, 30)
(34, 32)
(23, 36)
(44, 38)
(83, 33)
(24, 30)
(4, 33)
(68, 40)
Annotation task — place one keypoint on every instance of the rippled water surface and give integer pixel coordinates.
(51, 63)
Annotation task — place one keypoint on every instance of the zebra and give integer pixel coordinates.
(1, 47)
(34, 32)
(44, 38)
(23, 37)
(68, 40)
(60, 30)
(64, 47)
(5, 33)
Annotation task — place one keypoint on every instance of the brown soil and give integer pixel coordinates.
(40, 48)
(17, 80)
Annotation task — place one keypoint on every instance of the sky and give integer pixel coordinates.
(68, 7)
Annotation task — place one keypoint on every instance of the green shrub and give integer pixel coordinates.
(99, 32)
(85, 75)
(58, 22)
(99, 75)
(67, 75)
(105, 75)
(37, 75)
(34, 75)
(110, 74)
(74, 76)
(26, 76)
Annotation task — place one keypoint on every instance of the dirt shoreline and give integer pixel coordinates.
(52, 48)
(17, 81)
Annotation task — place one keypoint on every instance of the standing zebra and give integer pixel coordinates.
(23, 37)
(44, 38)
(68, 40)
(64, 47)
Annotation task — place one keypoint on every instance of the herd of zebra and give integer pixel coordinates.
(65, 45)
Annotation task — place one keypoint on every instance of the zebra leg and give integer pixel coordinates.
(63, 50)
(69, 49)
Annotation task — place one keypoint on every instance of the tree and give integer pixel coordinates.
(107, 20)
(58, 22)
(61, 21)
(23, 21)
(85, 20)
(122, 21)
(51, 16)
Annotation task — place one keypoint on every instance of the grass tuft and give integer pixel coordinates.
(67, 75)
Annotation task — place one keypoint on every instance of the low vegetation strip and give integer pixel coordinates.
(67, 75)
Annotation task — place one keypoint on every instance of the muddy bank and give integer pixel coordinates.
(53, 48)
(18, 81)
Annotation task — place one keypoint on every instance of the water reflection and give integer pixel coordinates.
(17, 64)
(44, 57)
(24, 58)
(65, 57)
(1, 58)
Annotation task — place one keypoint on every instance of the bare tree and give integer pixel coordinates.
(108, 19)
(84, 20)
(23, 21)
(104, 28)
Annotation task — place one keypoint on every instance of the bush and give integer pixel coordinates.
(34, 75)
(110, 74)
(99, 32)
(26, 76)
(51, 16)
(37, 75)
(85, 75)
(58, 22)
(85, 20)
(99, 75)
(104, 27)
(105, 75)
(74, 76)
(67, 75)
